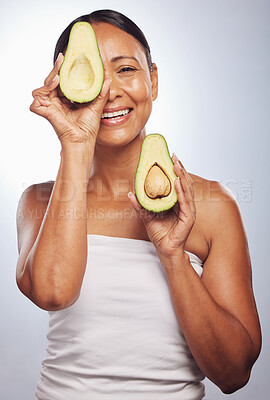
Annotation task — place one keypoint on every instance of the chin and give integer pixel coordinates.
(118, 138)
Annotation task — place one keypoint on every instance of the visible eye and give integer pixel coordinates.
(128, 69)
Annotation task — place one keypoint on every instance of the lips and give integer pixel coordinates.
(115, 113)
(115, 116)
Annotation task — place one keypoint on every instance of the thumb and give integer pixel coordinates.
(145, 215)
(133, 199)
(100, 101)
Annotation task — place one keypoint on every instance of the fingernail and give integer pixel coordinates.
(58, 56)
(129, 194)
(179, 165)
(177, 181)
(52, 80)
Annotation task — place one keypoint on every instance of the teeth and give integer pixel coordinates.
(115, 114)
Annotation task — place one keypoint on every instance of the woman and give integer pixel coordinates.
(142, 306)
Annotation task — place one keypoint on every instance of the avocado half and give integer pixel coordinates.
(155, 176)
(82, 73)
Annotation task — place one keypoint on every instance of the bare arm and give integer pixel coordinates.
(53, 247)
(217, 313)
(53, 251)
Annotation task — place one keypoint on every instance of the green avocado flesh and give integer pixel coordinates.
(155, 176)
(82, 73)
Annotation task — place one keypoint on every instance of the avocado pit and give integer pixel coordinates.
(157, 184)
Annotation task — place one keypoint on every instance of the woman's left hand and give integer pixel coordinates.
(169, 230)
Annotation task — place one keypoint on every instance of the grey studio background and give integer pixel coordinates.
(213, 108)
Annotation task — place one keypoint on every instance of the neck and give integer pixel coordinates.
(114, 168)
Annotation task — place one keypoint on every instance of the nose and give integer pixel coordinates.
(116, 89)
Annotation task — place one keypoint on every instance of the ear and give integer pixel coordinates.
(154, 81)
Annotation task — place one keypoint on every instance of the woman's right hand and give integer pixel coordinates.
(72, 123)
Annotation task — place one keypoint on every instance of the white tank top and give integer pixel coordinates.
(121, 339)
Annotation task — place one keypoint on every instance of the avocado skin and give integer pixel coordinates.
(82, 72)
(155, 150)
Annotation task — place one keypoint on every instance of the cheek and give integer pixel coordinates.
(140, 90)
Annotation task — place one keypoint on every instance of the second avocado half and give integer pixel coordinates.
(82, 73)
(155, 176)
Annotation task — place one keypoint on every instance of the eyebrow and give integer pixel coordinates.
(114, 59)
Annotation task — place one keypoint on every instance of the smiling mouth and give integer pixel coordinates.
(116, 114)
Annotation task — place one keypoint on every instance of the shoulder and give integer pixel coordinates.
(35, 196)
(36, 188)
(37, 193)
(212, 195)
(209, 191)
(217, 208)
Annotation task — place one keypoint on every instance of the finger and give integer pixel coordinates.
(53, 85)
(133, 199)
(175, 160)
(105, 87)
(98, 104)
(187, 187)
(100, 100)
(47, 90)
(145, 215)
(185, 209)
(185, 220)
(188, 177)
(40, 106)
(42, 91)
(180, 172)
(55, 69)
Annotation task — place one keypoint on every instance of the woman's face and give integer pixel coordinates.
(133, 87)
